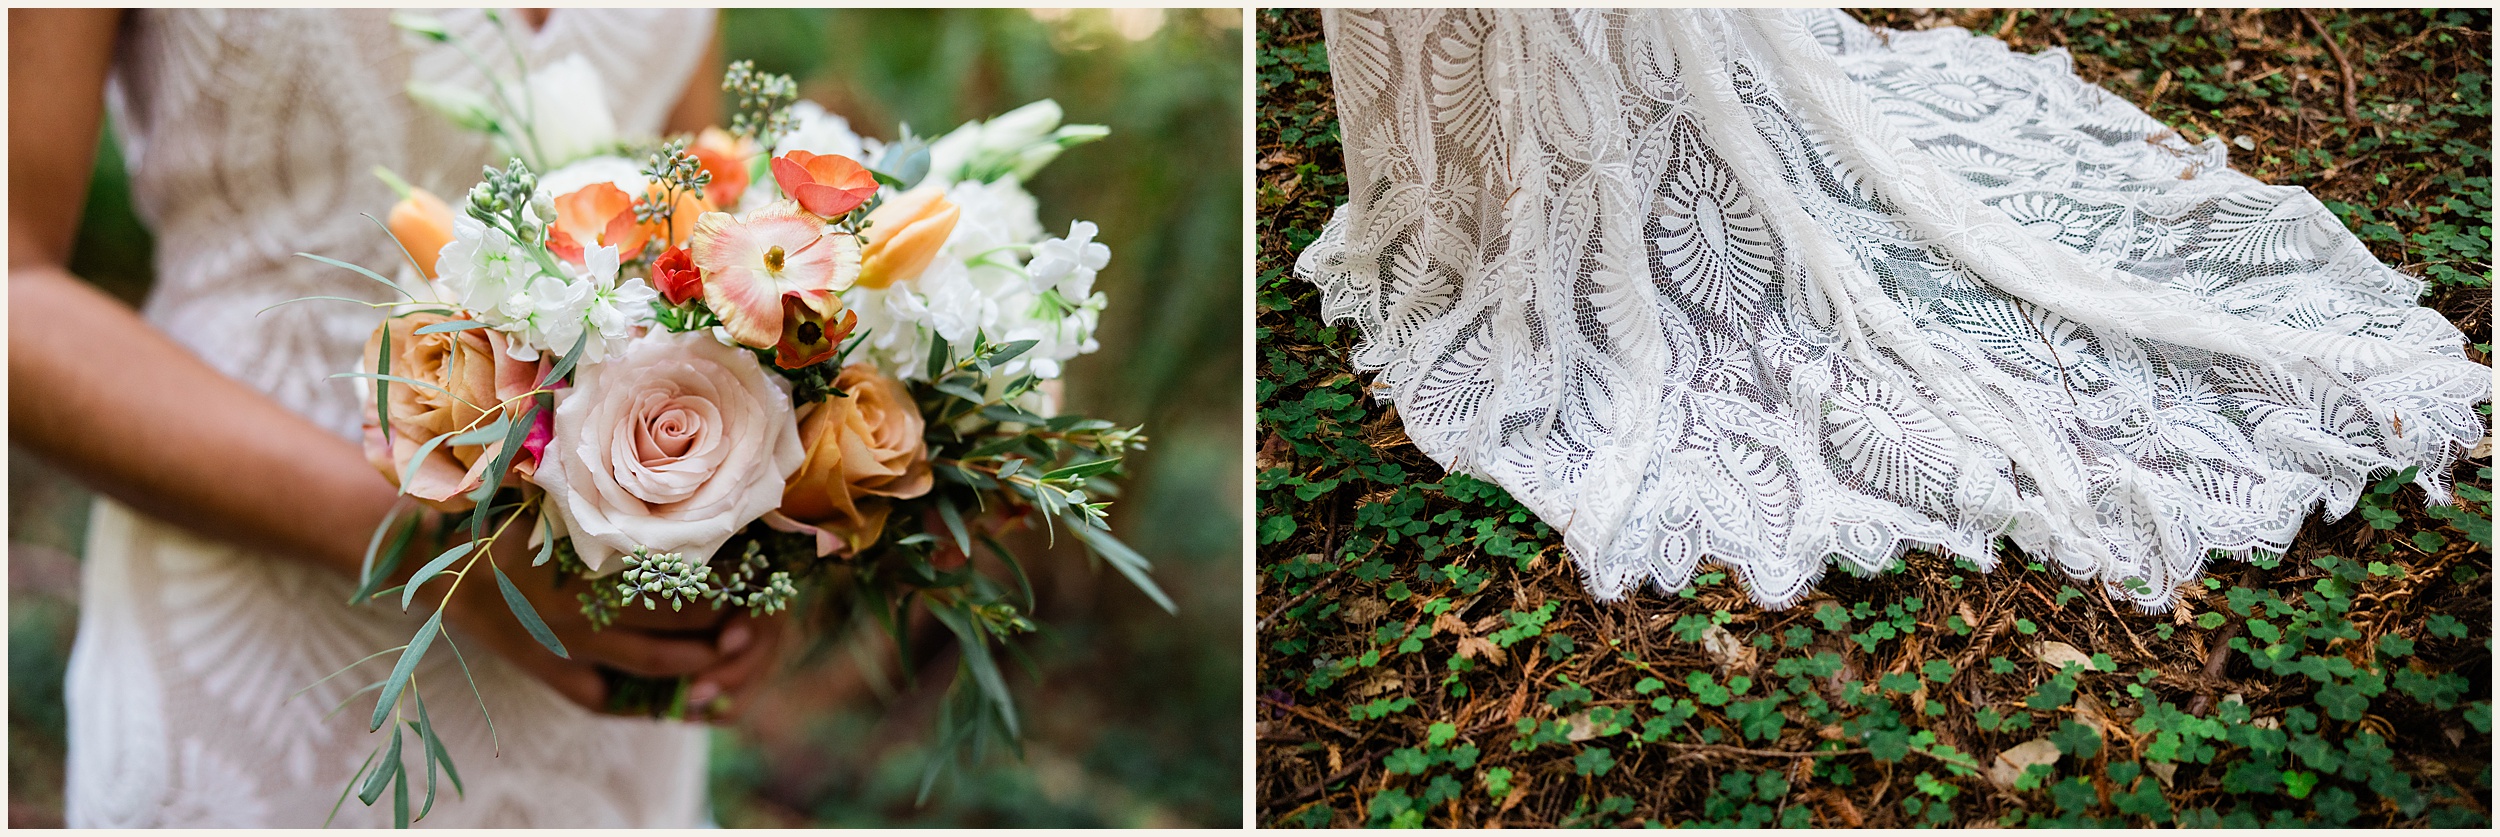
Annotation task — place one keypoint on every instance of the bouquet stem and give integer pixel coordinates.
(654, 697)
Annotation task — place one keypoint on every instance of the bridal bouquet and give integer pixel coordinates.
(726, 370)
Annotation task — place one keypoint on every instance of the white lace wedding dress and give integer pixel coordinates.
(1772, 289)
(251, 135)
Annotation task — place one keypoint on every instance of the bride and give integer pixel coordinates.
(237, 507)
(1774, 289)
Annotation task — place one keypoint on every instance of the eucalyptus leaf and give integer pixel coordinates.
(382, 773)
(350, 788)
(450, 325)
(528, 615)
(388, 560)
(409, 474)
(400, 673)
(492, 431)
(517, 432)
(565, 366)
(408, 591)
(399, 790)
(382, 389)
(394, 286)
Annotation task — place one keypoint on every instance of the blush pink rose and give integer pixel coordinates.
(672, 447)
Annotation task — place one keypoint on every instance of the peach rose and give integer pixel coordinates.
(475, 375)
(422, 223)
(672, 446)
(904, 235)
(860, 446)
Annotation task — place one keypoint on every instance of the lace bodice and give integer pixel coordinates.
(1772, 289)
(251, 135)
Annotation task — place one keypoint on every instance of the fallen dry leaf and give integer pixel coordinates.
(2057, 654)
(2010, 764)
(1732, 653)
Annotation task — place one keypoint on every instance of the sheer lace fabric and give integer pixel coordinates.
(251, 135)
(1770, 289)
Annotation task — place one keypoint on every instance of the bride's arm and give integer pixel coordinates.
(95, 389)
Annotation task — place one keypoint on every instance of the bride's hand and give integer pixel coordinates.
(643, 642)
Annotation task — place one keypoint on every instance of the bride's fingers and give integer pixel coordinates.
(640, 653)
(752, 645)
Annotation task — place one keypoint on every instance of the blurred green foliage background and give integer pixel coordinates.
(1134, 714)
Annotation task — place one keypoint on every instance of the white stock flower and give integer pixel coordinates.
(818, 131)
(992, 216)
(613, 309)
(568, 111)
(605, 168)
(480, 267)
(1068, 264)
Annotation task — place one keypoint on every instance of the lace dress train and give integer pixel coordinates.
(1775, 290)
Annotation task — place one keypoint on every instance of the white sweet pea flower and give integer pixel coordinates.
(1068, 264)
(568, 112)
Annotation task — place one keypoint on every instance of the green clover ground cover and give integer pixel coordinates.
(1426, 656)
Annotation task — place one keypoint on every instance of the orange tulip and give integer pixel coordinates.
(725, 156)
(423, 225)
(678, 228)
(904, 235)
(596, 215)
(825, 185)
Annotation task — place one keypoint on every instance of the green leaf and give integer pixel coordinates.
(528, 615)
(1082, 470)
(492, 431)
(974, 642)
(939, 357)
(400, 673)
(394, 286)
(513, 436)
(450, 325)
(954, 519)
(1121, 557)
(399, 789)
(352, 781)
(380, 566)
(381, 778)
(409, 474)
(382, 388)
(1010, 351)
(408, 592)
(565, 366)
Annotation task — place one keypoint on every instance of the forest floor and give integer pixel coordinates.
(1426, 655)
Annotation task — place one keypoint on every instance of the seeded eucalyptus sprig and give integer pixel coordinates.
(762, 102)
(676, 173)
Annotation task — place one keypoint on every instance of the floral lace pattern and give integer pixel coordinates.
(1770, 288)
(251, 135)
